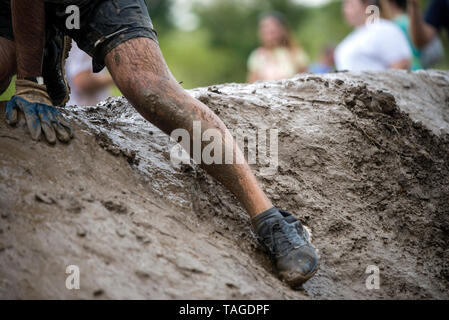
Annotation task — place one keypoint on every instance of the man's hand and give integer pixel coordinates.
(32, 101)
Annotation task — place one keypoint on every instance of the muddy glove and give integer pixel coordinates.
(31, 100)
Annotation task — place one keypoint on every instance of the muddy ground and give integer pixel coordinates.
(355, 165)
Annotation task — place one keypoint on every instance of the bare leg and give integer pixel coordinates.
(28, 19)
(140, 72)
(7, 62)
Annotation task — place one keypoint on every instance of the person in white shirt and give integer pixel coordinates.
(375, 44)
(87, 88)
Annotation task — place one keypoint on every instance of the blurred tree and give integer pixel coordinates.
(234, 23)
(292, 11)
(322, 27)
(160, 13)
(230, 23)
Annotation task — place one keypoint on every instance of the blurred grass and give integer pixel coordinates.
(194, 61)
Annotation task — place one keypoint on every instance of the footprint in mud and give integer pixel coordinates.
(97, 293)
(115, 206)
(142, 275)
(69, 203)
(44, 198)
(81, 232)
(106, 143)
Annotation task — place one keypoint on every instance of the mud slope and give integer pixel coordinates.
(371, 183)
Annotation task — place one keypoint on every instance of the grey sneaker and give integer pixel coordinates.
(287, 242)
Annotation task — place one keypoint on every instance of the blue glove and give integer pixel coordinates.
(31, 100)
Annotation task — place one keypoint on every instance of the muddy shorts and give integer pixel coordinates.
(103, 24)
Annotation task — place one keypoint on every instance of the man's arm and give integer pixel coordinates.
(421, 32)
(29, 35)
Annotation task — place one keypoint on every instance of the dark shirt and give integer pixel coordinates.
(80, 3)
(437, 14)
(67, 2)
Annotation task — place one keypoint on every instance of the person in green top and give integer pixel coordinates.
(396, 11)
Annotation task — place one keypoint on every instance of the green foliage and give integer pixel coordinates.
(160, 13)
(195, 62)
(230, 24)
(321, 27)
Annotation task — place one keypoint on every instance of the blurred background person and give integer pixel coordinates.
(326, 62)
(424, 32)
(279, 55)
(396, 11)
(87, 88)
(374, 44)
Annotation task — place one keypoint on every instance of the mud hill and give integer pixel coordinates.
(363, 161)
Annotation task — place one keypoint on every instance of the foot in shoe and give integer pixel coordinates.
(288, 244)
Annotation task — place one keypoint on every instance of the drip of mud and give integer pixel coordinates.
(363, 161)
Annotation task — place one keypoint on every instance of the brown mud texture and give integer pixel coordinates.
(363, 160)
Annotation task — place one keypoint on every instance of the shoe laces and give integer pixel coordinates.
(283, 238)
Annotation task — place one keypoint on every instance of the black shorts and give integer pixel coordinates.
(104, 24)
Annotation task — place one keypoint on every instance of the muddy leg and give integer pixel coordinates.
(7, 63)
(142, 75)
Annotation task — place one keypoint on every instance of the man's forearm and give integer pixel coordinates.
(420, 32)
(29, 35)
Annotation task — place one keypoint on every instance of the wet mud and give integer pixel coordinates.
(363, 162)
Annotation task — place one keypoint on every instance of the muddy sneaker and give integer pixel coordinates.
(302, 230)
(57, 49)
(287, 242)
